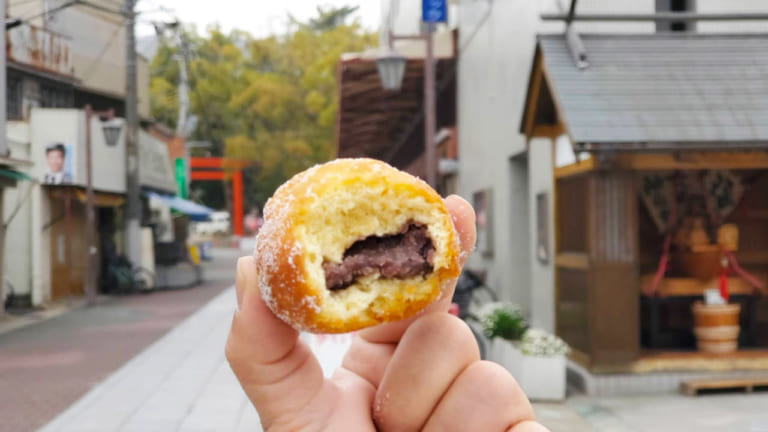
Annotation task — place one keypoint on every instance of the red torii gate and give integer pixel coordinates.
(217, 168)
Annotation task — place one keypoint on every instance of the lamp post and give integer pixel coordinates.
(391, 67)
(111, 134)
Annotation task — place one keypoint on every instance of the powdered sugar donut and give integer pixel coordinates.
(353, 243)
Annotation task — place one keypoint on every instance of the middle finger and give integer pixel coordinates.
(432, 353)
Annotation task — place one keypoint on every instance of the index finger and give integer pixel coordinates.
(277, 370)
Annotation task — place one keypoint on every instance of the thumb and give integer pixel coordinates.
(278, 372)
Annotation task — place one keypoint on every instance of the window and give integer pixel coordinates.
(53, 96)
(675, 6)
(13, 104)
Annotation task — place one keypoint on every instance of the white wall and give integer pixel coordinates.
(542, 276)
(17, 267)
(67, 126)
(495, 50)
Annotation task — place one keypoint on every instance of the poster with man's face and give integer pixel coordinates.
(58, 160)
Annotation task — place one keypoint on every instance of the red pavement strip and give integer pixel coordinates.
(46, 367)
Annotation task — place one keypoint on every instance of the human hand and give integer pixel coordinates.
(423, 373)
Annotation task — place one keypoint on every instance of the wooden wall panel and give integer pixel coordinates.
(613, 279)
(573, 308)
(572, 214)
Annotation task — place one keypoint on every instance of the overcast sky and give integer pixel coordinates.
(259, 17)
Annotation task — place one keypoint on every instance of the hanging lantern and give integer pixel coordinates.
(111, 131)
(391, 67)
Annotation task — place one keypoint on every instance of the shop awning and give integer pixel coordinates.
(101, 199)
(14, 175)
(196, 212)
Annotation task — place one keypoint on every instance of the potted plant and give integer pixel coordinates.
(536, 358)
(503, 325)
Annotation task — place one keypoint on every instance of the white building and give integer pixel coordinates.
(59, 62)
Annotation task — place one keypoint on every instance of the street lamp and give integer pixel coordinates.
(391, 67)
(111, 129)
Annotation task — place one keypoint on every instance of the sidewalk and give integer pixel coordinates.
(180, 383)
(50, 358)
(183, 383)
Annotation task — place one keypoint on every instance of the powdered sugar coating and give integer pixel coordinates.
(280, 255)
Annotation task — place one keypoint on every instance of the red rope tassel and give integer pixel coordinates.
(723, 280)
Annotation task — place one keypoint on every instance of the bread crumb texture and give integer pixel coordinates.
(319, 213)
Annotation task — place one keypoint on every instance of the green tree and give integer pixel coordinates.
(271, 101)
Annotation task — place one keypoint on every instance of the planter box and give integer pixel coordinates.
(541, 378)
(507, 355)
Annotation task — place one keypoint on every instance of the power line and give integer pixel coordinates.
(102, 8)
(103, 52)
(71, 3)
(22, 2)
(51, 11)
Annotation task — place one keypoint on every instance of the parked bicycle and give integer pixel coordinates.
(470, 294)
(120, 276)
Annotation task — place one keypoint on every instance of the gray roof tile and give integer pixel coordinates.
(662, 88)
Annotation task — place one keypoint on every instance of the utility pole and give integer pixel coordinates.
(3, 153)
(429, 109)
(181, 123)
(91, 266)
(3, 144)
(90, 214)
(133, 202)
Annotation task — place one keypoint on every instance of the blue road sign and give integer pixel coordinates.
(433, 11)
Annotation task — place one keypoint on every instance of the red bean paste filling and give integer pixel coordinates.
(404, 254)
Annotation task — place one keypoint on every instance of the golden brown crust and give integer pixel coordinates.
(281, 273)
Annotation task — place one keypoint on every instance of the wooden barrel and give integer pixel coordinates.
(716, 327)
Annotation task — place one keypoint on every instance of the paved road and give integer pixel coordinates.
(180, 383)
(46, 367)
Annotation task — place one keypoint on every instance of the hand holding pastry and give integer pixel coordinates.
(420, 373)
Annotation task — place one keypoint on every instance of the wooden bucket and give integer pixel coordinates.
(703, 264)
(716, 327)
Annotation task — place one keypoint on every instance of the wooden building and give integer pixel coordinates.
(673, 110)
(389, 125)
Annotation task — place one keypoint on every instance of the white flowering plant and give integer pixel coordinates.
(503, 320)
(540, 343)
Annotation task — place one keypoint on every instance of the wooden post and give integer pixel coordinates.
(90, 215)
(2, 250)
(237, 202)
